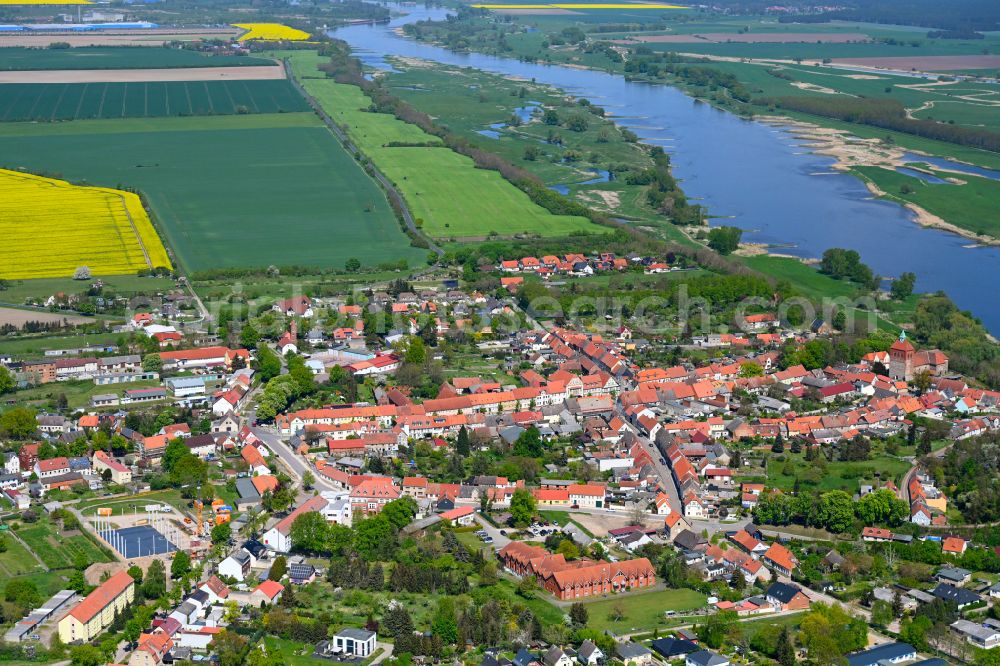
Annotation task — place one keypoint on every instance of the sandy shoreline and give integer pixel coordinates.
(851, 151)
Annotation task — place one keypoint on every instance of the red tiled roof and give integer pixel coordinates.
(270, 588)
(312, 504)
(100, 598)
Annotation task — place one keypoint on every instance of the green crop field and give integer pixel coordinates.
(73, 101)
(228, 191)
(442, 188)
(116, 57)
(972, 205)
(56, 550)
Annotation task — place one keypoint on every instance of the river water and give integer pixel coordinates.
(748, 174)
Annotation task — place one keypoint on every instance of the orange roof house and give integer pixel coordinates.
(953, 545)
(780, 558)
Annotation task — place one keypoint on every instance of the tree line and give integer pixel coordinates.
(887, 114)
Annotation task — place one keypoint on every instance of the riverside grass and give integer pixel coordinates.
(50, 227)
(449, 196)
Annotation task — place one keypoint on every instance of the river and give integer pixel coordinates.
(748, 174)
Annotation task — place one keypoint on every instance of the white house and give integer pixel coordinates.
(12, 464)
(237, 566)
(338, 508)
(355, 642)
(279, 537)
(589, 654)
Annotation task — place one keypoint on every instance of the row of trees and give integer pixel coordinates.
(888, 114)
(846, 265)
(834, 511)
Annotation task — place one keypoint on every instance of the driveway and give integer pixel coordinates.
(499, 540)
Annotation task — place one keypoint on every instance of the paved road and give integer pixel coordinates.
(293, 462)
(499, 540)
(386, 653)
(666, 476)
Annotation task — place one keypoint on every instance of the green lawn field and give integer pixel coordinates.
(116, 57)
(972, 205)
(15, 560)
(443, 189)
(228, 191)
(79, 394)
(74, 101)
(846, 476)
(128, 504)
(806, 279)
(56, 550)
(640, 611)
(38, 345)
(16, 291)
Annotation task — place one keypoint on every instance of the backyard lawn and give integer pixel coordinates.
(847, 476)
(641, 611)
(15, 560)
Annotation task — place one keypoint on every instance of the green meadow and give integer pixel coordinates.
(444, 190)
(971, 205)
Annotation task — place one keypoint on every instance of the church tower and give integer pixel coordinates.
(901, 358)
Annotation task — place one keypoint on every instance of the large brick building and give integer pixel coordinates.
(579, 578)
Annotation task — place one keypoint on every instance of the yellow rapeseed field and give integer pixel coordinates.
(50, 227)
(271, 32)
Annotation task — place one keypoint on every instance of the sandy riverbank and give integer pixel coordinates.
(748, 249)
(925, 218)
(850, 151)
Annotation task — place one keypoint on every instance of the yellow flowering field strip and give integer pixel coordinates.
(50, 227)
(271, 32)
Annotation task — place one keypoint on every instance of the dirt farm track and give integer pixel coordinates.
(946, 63)
(19, 318)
